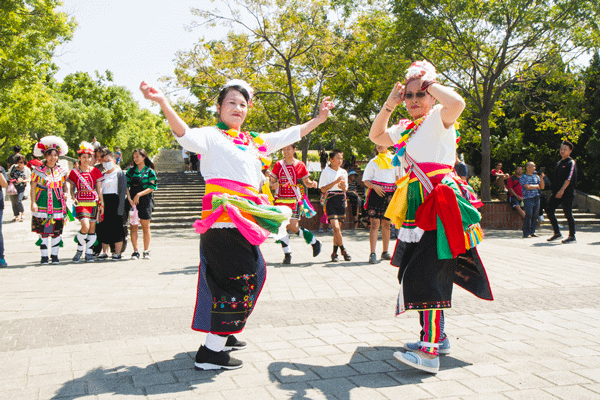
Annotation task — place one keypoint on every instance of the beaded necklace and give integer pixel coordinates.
(247, 141)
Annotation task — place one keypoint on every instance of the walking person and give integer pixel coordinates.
(434, 207)
(380, 178)
(563, 192)
(141, 183)
(531, 185)
(48, 197)
(334, 182)
(114, 192)
(289, 174)
(19, 175)
(12, 159)
(232, 268)
(86, 193)
(3, 185)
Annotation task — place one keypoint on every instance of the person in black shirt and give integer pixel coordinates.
(563, 191)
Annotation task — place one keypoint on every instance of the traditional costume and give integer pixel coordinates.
(380, 171)
(87, 202)
(48, 220)
(236, 219)
(439, 225)
(291, 194)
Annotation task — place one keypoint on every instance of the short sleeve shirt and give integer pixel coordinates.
(529, 180)
(297, 172)
(147, 176)
(91, 177)
(329, 175)
(514, 183)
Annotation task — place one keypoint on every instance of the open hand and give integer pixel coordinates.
(151, 93)
(396, 96)
(324, 108)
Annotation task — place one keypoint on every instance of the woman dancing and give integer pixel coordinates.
(434, 207)
(235, 217)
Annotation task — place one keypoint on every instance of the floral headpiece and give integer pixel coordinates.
(48, 143)
(415, 69)
(86, 148)
(243, 84)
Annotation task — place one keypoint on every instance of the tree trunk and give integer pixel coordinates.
(485, 157)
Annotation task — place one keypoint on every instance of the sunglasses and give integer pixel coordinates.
(418, 95)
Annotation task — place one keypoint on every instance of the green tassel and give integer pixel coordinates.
(61, 244)
(307, 235)
(39, 242)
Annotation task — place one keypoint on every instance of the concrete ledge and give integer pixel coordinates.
(587, 202)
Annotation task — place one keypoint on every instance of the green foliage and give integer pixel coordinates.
(475, 183)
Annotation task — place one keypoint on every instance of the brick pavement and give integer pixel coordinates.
(320, 330)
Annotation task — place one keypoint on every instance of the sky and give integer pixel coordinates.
(135, 40)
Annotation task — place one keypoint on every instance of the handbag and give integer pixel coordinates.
(11, 189)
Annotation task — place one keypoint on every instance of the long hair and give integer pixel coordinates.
(147, 160)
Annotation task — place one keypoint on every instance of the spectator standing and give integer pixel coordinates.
(380, 178)
(461, 168)
(334, 182)
(194, 163)
(114, 192)
(118, 156)
(11, 158)
(498, 177)
(186, 160)
(531, 185)
(20, 176)
(141, 183)
(95, 142)
(3, 184)
(563, 191)
(515, 191)
(353, 198)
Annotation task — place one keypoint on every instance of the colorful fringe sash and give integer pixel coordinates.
(230, 201)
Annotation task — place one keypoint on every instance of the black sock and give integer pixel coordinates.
(335, 248)
(342, 249)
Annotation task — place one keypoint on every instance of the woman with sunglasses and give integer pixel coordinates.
(434, 207)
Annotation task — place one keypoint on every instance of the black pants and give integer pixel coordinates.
(567, 205)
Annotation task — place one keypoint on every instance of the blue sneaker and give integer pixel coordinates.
(3, 263)
(414, 360)
(443, 349)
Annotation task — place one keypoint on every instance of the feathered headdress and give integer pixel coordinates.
(86, 148)
(243, 84)
(414, 71)
(50, 143)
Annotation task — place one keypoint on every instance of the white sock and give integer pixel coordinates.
(215, 342)
(55, 245)
(44, 246)
(90, 240)
(81, 241)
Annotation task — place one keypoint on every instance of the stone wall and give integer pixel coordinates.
(499, 215)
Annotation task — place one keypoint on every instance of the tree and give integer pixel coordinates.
(284, 48)
(484, 47)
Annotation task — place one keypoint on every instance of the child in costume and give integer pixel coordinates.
(436, 210)
(290, 173)
(48, 197)
(86, 193)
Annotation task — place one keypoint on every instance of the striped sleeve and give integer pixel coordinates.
(572, 170)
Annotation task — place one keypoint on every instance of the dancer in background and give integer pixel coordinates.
(86, 193)
(48, 197)
(290, 173)
(334, 182)
(434, 207)
(236, 219)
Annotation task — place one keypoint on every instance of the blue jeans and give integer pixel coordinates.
(532, 212)
(1, 236)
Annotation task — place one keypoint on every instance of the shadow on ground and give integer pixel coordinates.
(369, 367)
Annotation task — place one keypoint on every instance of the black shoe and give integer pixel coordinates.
(386, 256)
(207, 359)
(316, 248)
(346, 256)
(234, 344)
(287, 258)
(570, 239)
(44, 261)
(334, 257)
(533, 235)
(526, 236)
(103, 256)
(55, 260)
(554, 237)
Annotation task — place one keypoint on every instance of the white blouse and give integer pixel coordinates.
(373, 173)
(329, 175)
(223, 160)
(432, 142)
(110, 184)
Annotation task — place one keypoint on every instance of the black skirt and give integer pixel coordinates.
(335, 206)
(146, 205)
(377, 205)
(110, 230)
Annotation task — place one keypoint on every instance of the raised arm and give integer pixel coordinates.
(452, 103)
(178, 126)
(324, 109)
(377, 133)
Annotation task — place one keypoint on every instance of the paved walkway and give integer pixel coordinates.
(321, 330)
